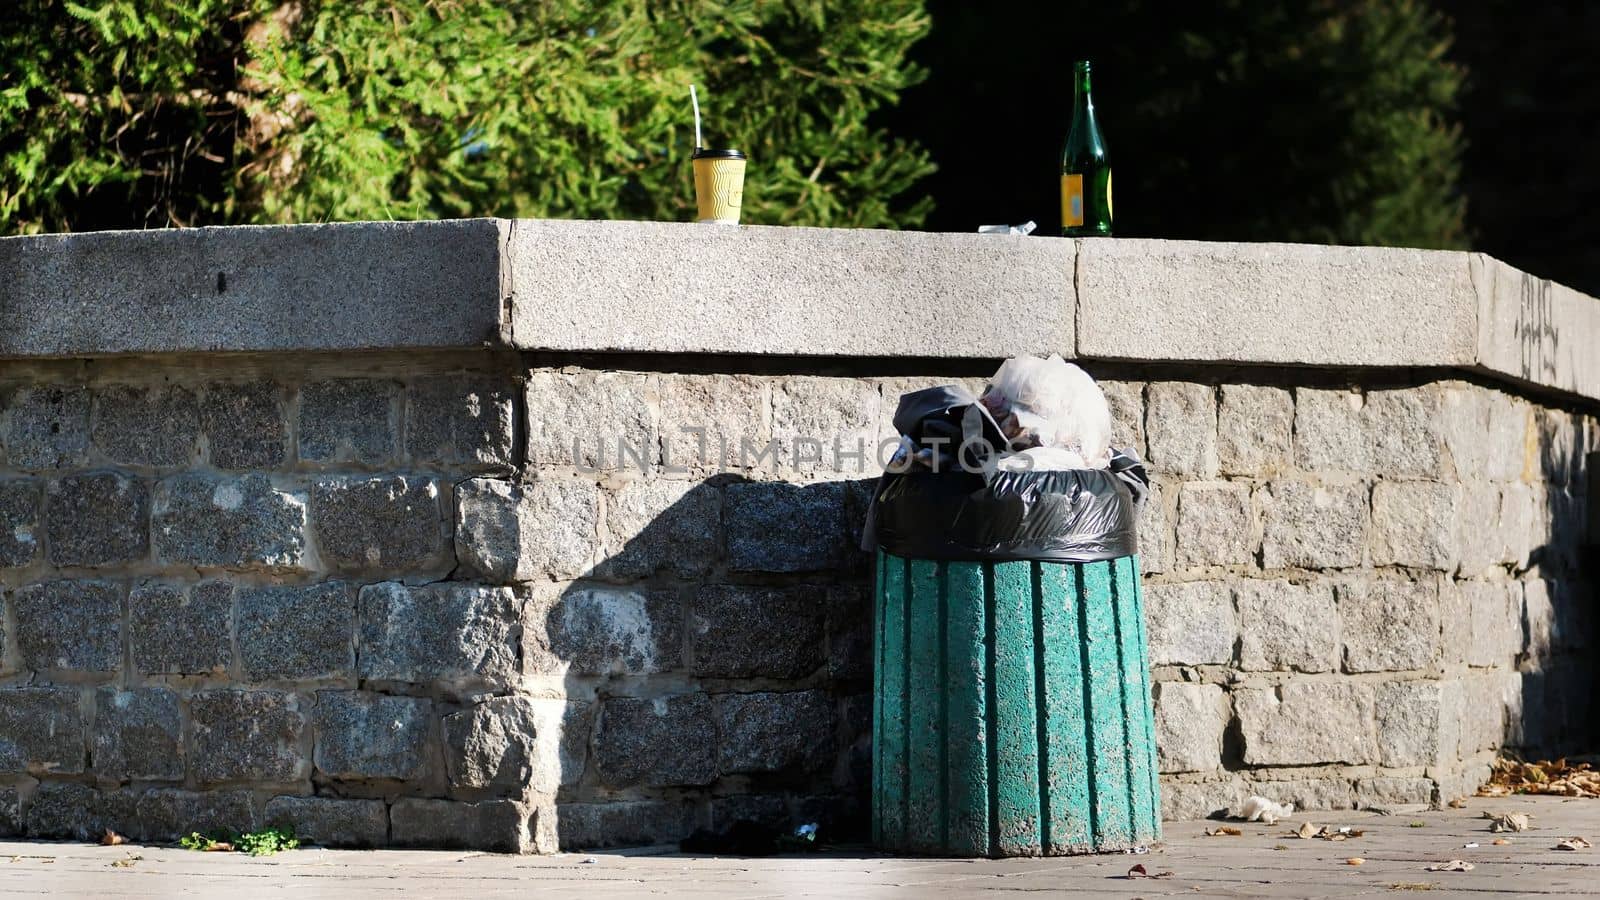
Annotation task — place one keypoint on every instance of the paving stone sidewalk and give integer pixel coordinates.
(1263, 862)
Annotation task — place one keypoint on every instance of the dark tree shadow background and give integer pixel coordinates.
(1262, 120)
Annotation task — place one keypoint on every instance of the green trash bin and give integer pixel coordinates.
(1013, 713)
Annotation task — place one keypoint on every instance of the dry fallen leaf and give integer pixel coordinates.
(1574, 843)
(1138, 871)
(111, 839)
(1457, 803)
(1557, 777)
(1508, 821)
(1343, 833)
(219, 847)
(1354, 861)
(1223, 830)
(1500, 842)
(1454, 865)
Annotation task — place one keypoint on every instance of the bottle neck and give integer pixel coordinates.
(1082, 100)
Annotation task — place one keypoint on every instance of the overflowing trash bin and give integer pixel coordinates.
(1012, 712)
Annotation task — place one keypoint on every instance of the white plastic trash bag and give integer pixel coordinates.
(1052, 411)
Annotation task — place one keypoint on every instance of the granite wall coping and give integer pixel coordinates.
(660, 287)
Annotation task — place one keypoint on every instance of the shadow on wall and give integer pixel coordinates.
(1559, 678)
(716, 662)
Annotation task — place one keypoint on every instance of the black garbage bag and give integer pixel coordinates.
(959, 513)
(937, 419)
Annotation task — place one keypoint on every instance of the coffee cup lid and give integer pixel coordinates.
(704, 153)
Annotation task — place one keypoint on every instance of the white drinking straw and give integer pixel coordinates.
(695, 99)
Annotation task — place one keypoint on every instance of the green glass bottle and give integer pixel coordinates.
(1085, 168)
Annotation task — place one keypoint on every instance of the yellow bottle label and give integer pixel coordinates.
(1071, 200)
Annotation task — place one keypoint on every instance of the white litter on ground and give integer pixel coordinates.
(1260, 809)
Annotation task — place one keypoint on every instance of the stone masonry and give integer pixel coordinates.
(510, 536)
(209, 574)
(391, 603)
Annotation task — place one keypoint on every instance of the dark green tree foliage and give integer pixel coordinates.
(115, 116)
(1327, 121)
(131, 113)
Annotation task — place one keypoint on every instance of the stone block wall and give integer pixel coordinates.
(509, 601)
(1357, 596)
(228, 603)
(698, 596)
(381, 600)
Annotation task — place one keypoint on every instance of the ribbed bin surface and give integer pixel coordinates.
(1013, 713)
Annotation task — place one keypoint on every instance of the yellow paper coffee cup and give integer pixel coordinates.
(719, 185)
